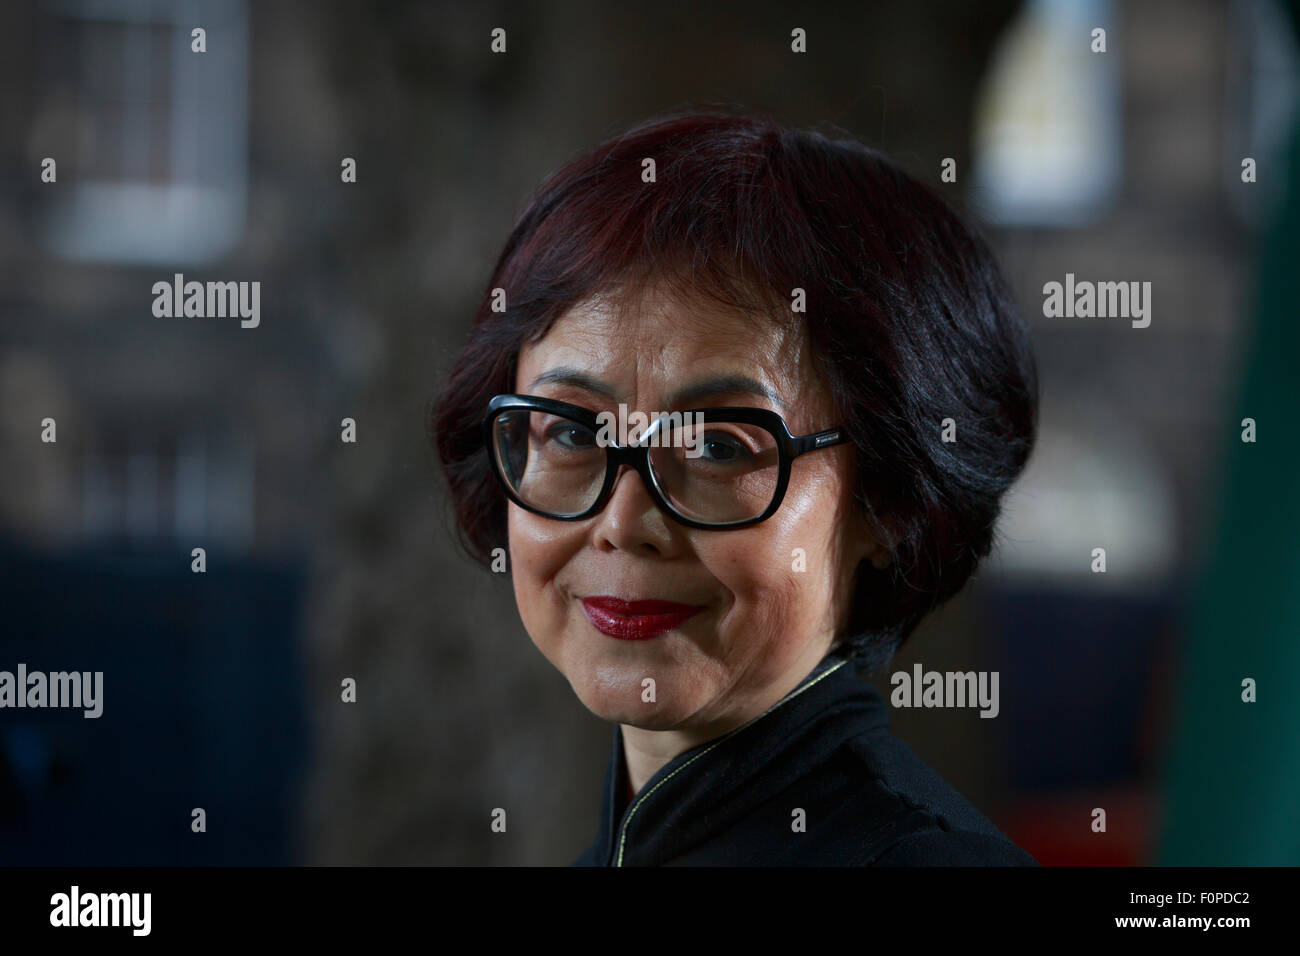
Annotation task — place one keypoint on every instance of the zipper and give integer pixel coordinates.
(642, 797)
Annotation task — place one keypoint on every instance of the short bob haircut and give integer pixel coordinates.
(909, 318)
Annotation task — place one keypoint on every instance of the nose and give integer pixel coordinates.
(631, 521)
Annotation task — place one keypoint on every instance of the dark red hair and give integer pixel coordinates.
(909, 319)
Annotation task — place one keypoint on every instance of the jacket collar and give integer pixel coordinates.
(699, 793)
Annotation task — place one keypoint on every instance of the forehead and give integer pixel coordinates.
(654, 341)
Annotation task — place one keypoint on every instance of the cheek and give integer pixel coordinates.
(539, 550)
(777, 572)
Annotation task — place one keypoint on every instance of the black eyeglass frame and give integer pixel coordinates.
(789, 447)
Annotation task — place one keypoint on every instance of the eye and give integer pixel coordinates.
(569, 435)
(722, 448)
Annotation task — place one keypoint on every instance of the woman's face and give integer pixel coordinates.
(762, 624)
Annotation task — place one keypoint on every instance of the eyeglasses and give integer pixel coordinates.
(711, 468)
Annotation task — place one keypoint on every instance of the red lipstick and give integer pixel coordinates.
(636, 620)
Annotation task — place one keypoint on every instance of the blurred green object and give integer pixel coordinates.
(1232, 785)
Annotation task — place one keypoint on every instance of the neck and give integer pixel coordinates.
(646, 751)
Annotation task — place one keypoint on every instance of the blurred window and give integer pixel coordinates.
(1047, 148)
(192, 487)
(160, 131)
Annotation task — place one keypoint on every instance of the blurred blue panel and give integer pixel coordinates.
(202, 707)
(1077, 674)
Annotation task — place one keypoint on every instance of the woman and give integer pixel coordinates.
(708, 407)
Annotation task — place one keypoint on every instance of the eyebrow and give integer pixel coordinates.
(697, 392)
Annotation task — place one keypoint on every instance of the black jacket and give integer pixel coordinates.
(824, 748)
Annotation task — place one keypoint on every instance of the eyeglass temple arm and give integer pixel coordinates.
(805, 443)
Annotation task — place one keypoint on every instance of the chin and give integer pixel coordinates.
(612, 690)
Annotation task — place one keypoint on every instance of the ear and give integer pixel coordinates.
(880, 556)
(868, 544)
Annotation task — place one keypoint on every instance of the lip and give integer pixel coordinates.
(636, 620)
